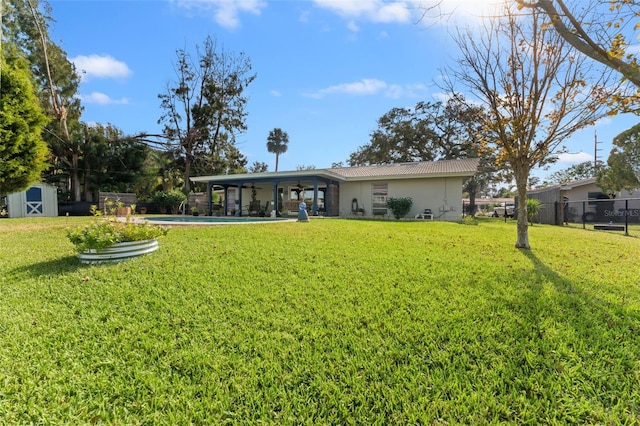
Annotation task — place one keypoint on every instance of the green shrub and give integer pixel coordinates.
(469, 220)
(533, 207)
(399, 206)
(168, 199)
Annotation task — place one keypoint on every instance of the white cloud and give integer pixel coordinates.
(100, 66)
(412, 11)
(275, 93)
(371, 86)
(102, 99)
(574, 157)
(366, 86)
(225, 12)
(370, 10)
(353, 27)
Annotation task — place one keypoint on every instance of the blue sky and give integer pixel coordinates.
(326, 69)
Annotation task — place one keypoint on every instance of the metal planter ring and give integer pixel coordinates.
(119, 252)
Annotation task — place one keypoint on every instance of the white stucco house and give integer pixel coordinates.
(347, 191)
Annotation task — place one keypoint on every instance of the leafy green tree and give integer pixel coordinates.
(536, 91)
(277, 143)
(258, 167)
(111, 161)
(23, 153)
(25, 23)
(623, 165)
(205, 108)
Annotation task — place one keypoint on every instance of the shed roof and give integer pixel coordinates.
(564, 186)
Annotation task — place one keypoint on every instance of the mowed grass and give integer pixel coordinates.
(326, 322)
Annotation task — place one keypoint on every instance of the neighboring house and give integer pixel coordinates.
(39, 200)
(582, 200)
(349, 191)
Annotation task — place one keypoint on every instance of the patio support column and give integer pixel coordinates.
(226, 197)
(239, 212)
(210, 197)
(275, 197)
(315, 197)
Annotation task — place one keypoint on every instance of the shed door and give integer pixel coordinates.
(35, 207)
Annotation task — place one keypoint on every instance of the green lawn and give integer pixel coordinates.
(326, 322)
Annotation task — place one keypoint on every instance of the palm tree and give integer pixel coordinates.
(277, 142)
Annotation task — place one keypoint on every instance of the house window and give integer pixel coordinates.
(379, 198)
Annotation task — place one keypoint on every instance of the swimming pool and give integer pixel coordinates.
(213, 220)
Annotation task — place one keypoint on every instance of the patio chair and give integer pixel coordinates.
(426, 214)
(254, 207)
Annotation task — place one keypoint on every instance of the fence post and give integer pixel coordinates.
(584, 215)
(626, 217)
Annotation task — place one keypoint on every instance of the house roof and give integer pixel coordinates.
(467, 167)
(564, 186)
(423, 169)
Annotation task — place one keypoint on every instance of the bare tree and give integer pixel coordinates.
(204, 108)
(536, 90)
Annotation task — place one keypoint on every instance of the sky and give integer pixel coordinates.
(327, 70)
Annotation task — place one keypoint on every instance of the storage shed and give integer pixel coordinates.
(39, 200)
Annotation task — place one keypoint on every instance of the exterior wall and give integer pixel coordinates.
(442, 195)
(17, 202)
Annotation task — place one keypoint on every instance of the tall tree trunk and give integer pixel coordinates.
(277, 155)
(522, 176)
(87, 167)
(75, 177)
(187, 174)
(58, 108)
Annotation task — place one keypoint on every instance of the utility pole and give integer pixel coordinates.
(595, 151)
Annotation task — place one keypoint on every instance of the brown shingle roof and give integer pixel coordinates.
(424, 169)
(467, 167)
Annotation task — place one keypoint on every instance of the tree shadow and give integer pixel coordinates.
(571, 343)
(587, 313)
(49, 268)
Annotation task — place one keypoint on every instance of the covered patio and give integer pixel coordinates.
(257, 193)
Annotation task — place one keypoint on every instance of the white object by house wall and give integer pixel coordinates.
(442, 195)
(38, 201)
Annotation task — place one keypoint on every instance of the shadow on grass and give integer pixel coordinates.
(49, 268)
(572, 347)
(588, 314)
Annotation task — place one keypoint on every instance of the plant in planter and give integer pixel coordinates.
(195, 211)
(108, 239)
